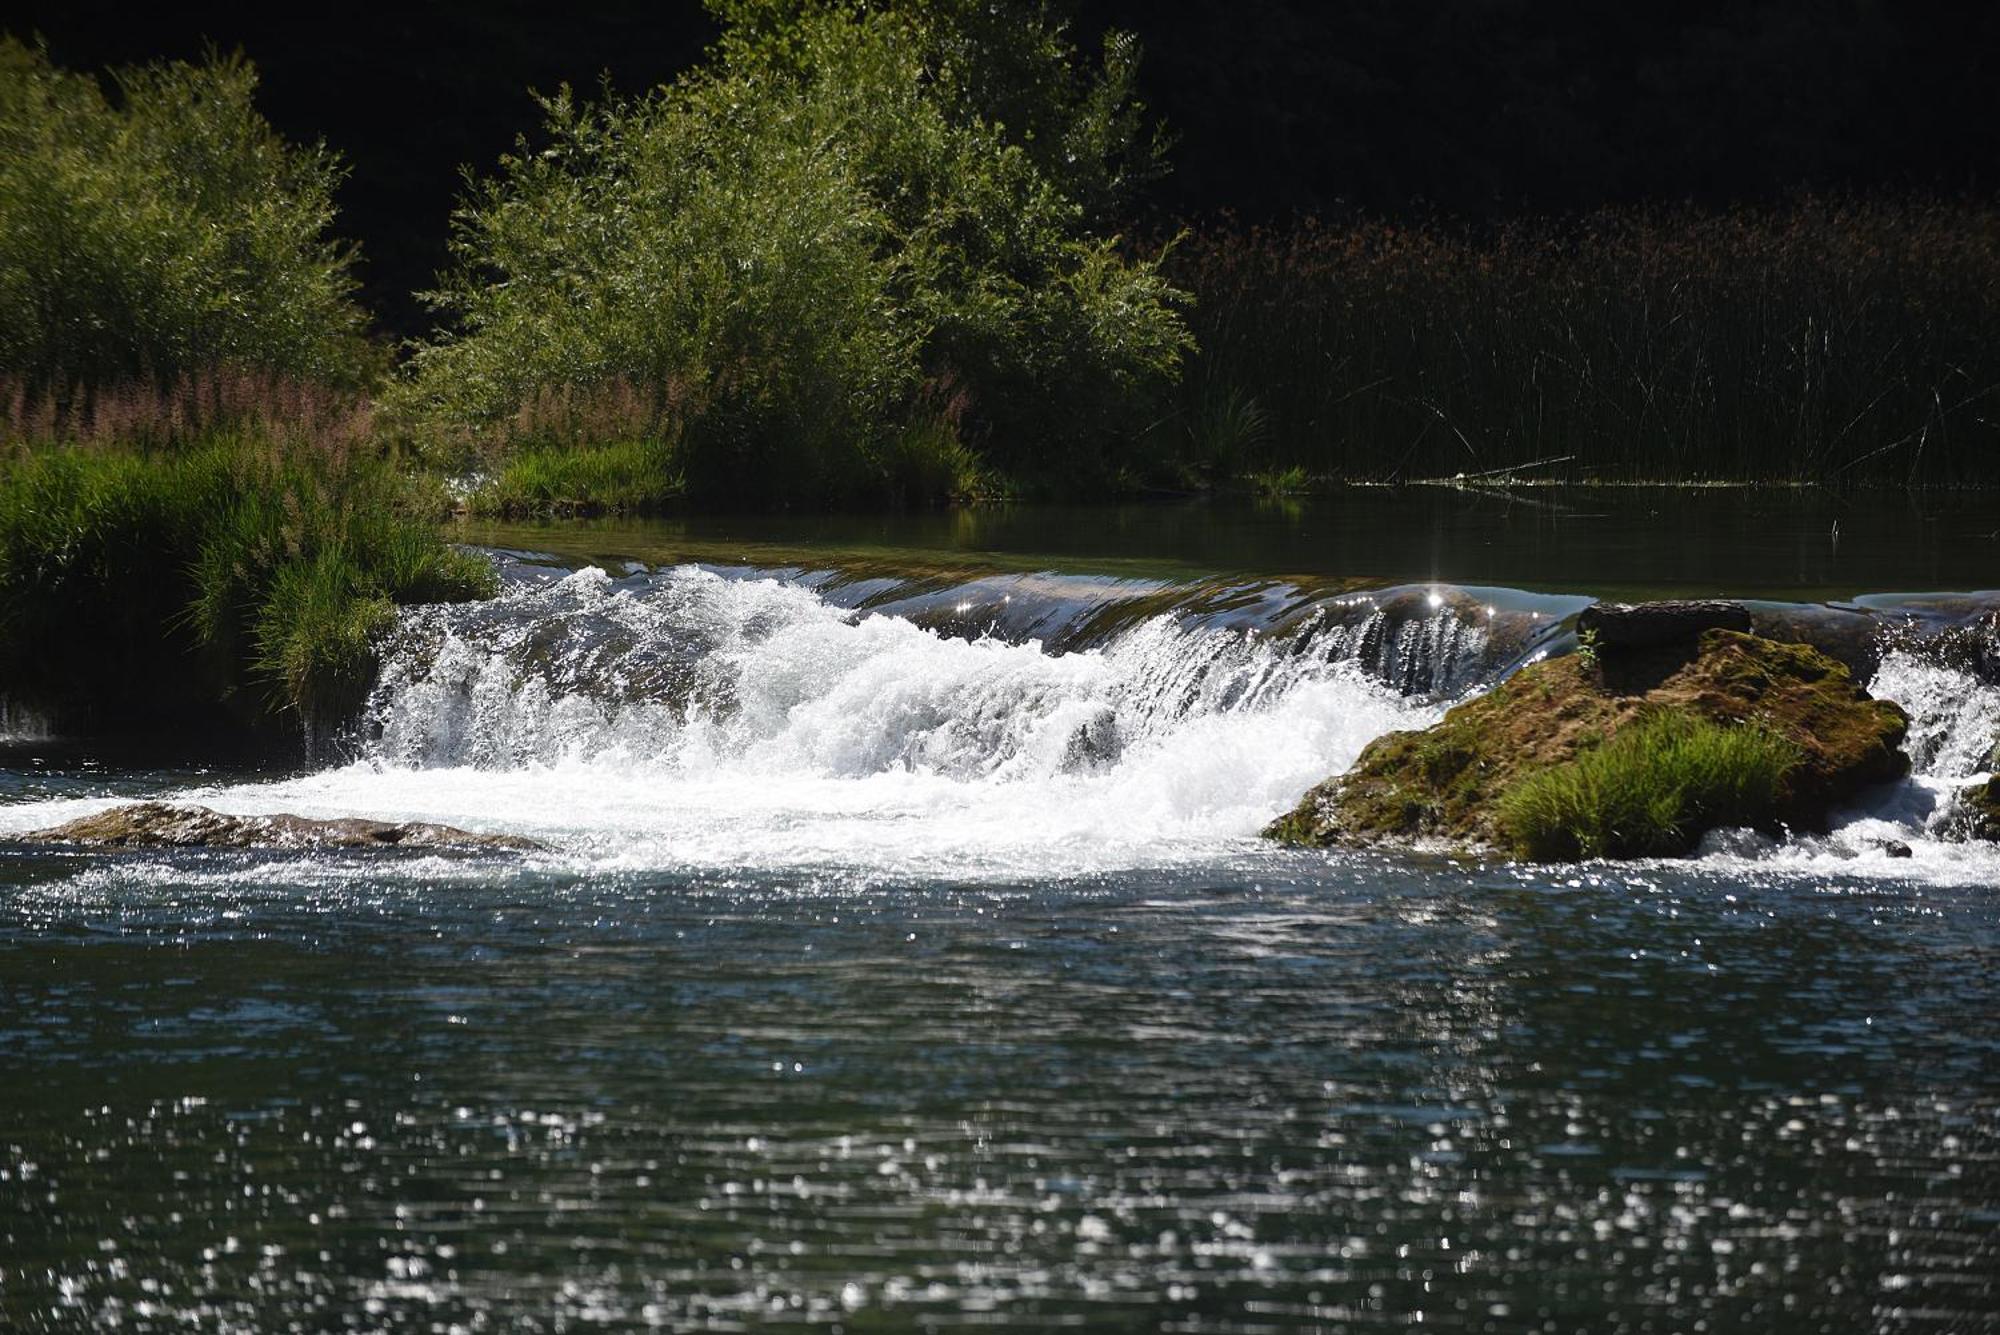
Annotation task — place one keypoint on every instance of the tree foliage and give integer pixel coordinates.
(852, 227)
(164, 232)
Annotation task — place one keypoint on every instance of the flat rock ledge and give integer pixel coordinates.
(1443, 786)
(163, 825)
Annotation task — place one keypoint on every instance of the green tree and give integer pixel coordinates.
(166, 232)
(857, 244)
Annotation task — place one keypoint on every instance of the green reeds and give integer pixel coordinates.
(151, 413)
(629, 478)
(1841, 344)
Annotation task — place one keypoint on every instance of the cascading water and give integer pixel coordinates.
(1005, 726)
(1954, 738)
(700, 716)
(703, 719)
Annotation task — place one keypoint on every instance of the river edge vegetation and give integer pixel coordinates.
(865, 256)
(200, 528)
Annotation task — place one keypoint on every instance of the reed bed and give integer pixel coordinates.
(1824, 342)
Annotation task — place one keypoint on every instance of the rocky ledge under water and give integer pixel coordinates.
(1979, 809)
(1447, 784)
(163, 825)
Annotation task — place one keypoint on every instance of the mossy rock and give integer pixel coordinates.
(1444, 785)
(1979, 808)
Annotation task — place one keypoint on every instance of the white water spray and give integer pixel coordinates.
(689, 720)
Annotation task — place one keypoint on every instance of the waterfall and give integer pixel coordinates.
(1004, 726)
(688, 671)
(1954, 715)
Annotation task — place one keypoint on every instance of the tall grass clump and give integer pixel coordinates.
(848, 217)
(235, 581)
(163, 230)
(151, 414)
(1651, 790)
(197, 522)
(1821, 342)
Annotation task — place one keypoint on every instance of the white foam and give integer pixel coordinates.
(1954, 725)
(797, 735)
(1954, 717)
(684, 720)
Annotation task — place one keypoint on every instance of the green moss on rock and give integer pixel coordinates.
(1445, 784)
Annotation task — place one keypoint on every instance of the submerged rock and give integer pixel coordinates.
(1979, 810)
(1445, 784)
(162, 825)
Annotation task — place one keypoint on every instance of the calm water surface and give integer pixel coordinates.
(1606, 541)
(882, 977)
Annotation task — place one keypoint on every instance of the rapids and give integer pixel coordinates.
(997, 726)
(906, 958)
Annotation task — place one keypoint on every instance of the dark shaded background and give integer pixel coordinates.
(1469, 108)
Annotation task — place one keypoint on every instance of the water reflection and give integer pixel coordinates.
(1289, 1093)
(1610, 541)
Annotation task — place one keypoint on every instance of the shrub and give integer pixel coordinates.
(844, 208)
(163, 233)
(1652, 789)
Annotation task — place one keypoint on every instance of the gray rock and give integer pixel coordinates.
(1651, 625)
(162, 825)
(1896, 848)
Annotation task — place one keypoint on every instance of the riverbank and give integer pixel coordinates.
(234, 580)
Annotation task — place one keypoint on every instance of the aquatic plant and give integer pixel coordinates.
(844, 207)
(165, 232)
(1829, 342)
(1587, 646)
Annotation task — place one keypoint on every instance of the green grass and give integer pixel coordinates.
(1651, 790)
(231, 581)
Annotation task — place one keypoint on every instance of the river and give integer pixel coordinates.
(905, 957)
